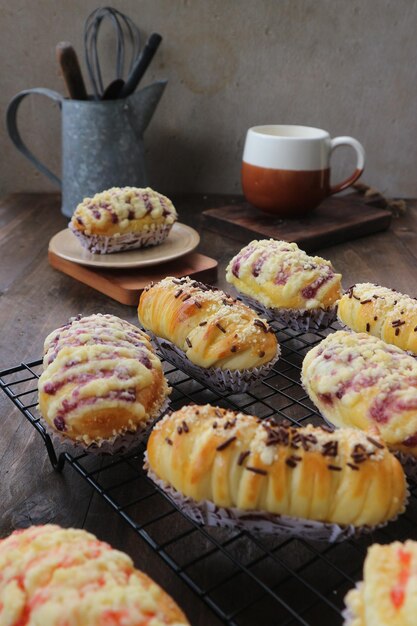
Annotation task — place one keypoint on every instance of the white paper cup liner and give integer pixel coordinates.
(207, 513)
(297, 319)
(121, 444)
(99, 244)
(237, 381)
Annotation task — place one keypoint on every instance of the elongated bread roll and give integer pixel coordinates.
(51, 576)
(359, 380)
(236, 460)
(382, 312)
(388, 594)
(123, 218)
(102, 379)
(280, 275)
(212, 329)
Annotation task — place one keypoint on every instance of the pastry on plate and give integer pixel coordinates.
(123, 218)
(381, 312)
(102, 384)
(232, 469)
(387, 596)
(286, 284)
(207, 333)
(358, 380)
(52, 576)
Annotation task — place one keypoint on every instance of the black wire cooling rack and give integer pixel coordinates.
(246, 579)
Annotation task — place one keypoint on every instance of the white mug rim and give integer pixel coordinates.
(260, 131)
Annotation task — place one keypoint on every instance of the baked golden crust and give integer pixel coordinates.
(381, 312)
(123, 210)
(280, 275)
(236, 460)
(212, 329)
(388, 594)
(52, 576)
(358, 380)
(101, 379)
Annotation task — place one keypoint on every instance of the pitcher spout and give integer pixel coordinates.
(141, 105)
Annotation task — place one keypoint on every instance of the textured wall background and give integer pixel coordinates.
(346, 66)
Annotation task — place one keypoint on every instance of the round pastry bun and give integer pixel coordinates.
(52, 576)
(102, 380)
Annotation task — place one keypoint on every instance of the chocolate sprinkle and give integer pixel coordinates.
(186, 297)
(220, 327)
(179, 430)
(261, 354)
(218, 413)
(335, 468)
(225, 444)
(354, 467)
(366, 301)
(290, 462)
(185, 427)
(198, 305)
(330, 448)
(368, 327)
(376, 443)
(178, 293)
(243, 456)
(168, 440)
(261, 325)
(214, 425)
(203, 323)
(188, 342)
(233, 349)
(375, 318)
(397, 332)
(257, 470)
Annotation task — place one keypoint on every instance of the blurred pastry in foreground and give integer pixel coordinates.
(381, 312)
(232, 469)
(286, 284)
(52, 576)
(387, 596)
(102, 384)
(358, 380)
(207, 333)
(123, 218)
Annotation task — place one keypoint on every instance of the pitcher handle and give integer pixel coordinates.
(11, 123)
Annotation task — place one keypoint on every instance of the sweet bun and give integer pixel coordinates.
(52, 576)
(235, 460)
(122, 219)
(358, 380)
(211, 330)
(388, 594)
(101, 381)
(381, 312)
(285, 281)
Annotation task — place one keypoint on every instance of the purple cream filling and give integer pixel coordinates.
(310, 291)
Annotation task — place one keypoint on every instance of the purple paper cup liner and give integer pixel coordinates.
(120, 444)
(209, 514)
(301, 320)
(237, 381)
(99, 244)
(409, 463)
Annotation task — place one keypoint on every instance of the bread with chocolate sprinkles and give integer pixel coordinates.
(381, 312)
(208, 326)
(305, 472)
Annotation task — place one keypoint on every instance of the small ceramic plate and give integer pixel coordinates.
(181, 240)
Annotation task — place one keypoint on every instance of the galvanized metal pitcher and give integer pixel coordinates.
(102, 142)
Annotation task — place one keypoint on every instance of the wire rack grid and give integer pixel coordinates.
(246, 579)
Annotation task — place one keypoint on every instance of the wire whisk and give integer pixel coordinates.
(126, 32)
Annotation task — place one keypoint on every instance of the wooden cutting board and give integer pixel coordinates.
(126, 285)
(336, 220)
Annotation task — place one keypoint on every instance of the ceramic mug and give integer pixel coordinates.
(286, 169)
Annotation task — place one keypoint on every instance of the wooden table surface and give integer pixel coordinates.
(35, 299)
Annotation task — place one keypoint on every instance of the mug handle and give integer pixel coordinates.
(360, 161)
(11, 123)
